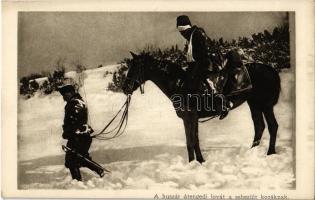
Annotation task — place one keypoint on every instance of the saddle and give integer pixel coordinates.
(231, 76)
(225, 74)
(230, 83)
(240, 82)
(225, 83)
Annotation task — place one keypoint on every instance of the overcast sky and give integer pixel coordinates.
(103, 38)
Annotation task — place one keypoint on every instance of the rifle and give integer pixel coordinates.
(95, 164)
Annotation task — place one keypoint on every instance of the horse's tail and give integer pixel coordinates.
(277, 88)
(266, 85)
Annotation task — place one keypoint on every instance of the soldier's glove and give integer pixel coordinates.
(84, 130)
(65, 134)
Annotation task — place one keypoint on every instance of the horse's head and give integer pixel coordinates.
(136, 73)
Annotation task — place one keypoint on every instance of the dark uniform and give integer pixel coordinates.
(77, 132)
(205, 58)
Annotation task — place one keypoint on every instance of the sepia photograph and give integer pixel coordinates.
(161, 101)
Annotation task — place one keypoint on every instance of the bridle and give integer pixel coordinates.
(138, 79)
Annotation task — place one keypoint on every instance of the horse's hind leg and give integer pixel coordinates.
(273, 128)
(259, 124)
(197, 146)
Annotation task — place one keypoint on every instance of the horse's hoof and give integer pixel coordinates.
(201, 161)
(255, 143)
(271, 152)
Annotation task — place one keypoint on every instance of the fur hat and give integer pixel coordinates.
(66, 88)
(183, 20)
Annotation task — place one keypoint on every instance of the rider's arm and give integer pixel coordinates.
(200, 50)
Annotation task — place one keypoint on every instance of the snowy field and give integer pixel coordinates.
(152, 153)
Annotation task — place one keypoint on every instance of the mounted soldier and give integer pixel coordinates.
(77, 132)
(203, 60)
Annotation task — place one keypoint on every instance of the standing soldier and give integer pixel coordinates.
(77, 132)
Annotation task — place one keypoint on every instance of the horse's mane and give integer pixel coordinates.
(164, 65)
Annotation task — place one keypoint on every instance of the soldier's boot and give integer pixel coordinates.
(75, 173)
(226, 106)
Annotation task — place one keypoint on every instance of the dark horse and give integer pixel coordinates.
(261, 98)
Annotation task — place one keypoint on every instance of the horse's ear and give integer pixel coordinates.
(133, 54)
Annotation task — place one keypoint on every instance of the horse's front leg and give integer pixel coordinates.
(192, 140)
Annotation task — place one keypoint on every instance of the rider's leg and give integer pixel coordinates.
(226, 104)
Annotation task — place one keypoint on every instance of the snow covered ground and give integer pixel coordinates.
(152, 152)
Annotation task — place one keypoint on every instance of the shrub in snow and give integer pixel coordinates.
(107, 73)
(46, 88)
(28, 85)
(55, 80)
(118, 79)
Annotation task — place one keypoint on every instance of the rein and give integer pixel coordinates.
(209, 118)
(120, 127)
